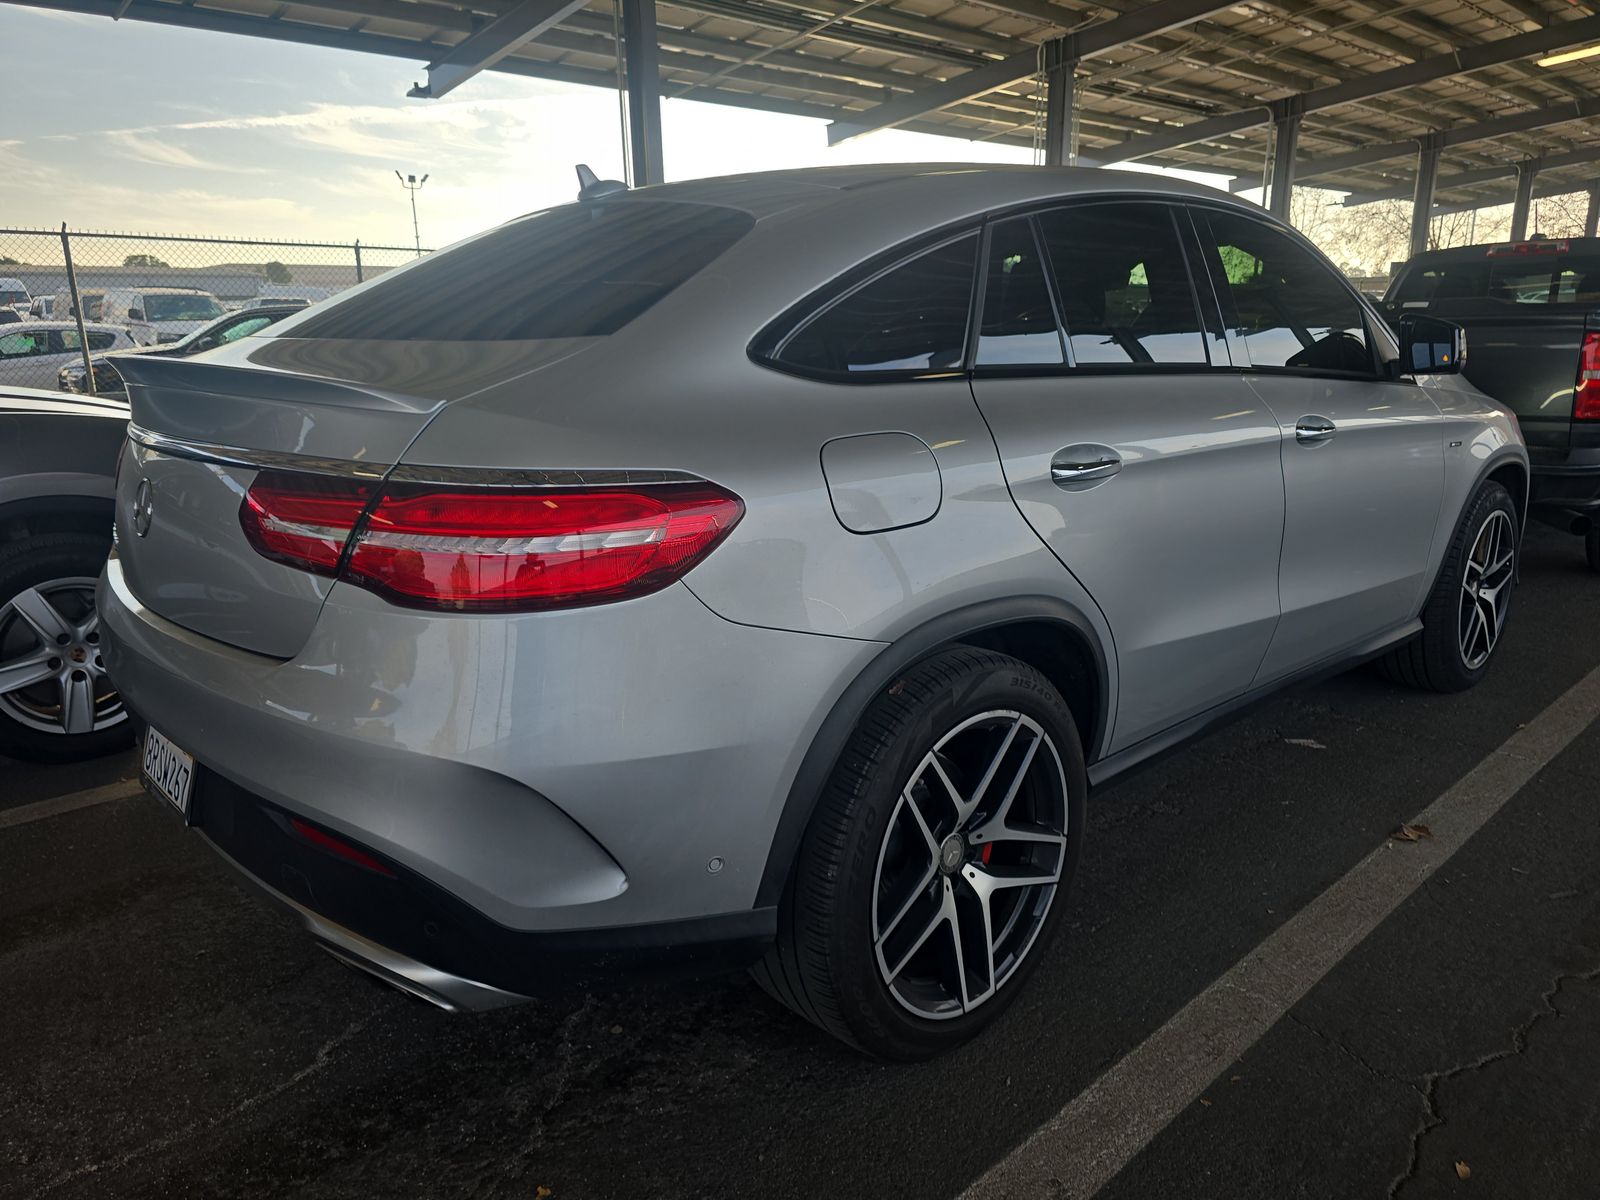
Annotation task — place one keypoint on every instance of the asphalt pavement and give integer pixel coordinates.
(165, 1034)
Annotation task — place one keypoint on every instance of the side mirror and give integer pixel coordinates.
(1430, 346)
(206, 343)
(136, 314)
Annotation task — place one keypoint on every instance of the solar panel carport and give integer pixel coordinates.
(1440, 100)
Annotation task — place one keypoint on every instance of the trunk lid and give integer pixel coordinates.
(203, 428)
(1530, 364)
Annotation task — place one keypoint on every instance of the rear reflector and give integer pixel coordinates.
(1586, 395)
(324, 840)
(489, 549)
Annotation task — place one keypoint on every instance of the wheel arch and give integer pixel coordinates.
(1045, 632)
(34, 515)
(1512, 474)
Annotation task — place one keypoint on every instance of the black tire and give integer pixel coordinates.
(35, 562)
(1591, 546)
(1434, 660)
(824, 965)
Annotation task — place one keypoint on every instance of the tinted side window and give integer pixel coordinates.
(1019, 320)
(1292, 310)
(913, 317)
(1123, 285)
(584, 270)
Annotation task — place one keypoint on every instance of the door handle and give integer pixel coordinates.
(1083, 464)
(1313, 429)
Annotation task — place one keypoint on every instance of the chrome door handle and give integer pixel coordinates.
(1072, 466)
(1310, 430)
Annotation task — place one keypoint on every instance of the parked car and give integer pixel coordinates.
(42, 308)
(14, 293)
(10, 316)
(1532, 313)
(276, 301)
(93, 300)
(763, 569)
(156, 315)
(226, 328)
(57, 459)
(33, 352)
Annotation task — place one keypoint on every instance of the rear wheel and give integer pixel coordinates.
(933, 874)
(1466, 613)
(56, 703)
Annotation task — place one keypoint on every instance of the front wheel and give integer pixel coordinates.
(933, 874)
(1466, 612)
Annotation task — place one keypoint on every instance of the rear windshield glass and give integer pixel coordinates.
(583, 270)
(181, 308)
(1512, 280)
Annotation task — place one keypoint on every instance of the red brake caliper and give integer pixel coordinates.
(988, 849)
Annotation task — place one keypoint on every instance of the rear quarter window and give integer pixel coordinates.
(1511, 280)
(583, 270)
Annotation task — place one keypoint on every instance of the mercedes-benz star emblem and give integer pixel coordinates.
(143, 504)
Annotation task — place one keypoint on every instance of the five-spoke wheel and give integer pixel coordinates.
(1486, 583)
(932, 874)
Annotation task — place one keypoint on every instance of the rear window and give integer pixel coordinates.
(1529, 280)
(583, 270)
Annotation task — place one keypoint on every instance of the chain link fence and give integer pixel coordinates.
(145, 289)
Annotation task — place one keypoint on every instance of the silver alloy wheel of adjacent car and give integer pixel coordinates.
(51, 675)
(1486, 588)
(970, 862)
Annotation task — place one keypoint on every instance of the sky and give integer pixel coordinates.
(137, 127)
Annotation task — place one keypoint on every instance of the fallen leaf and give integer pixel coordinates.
(1205, 1102)
(1411, 833)
(616, 1029)
(540, 1192)
(1236, 1079)
(1463, 1171)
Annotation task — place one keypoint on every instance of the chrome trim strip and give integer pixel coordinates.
(491, 477)
(453, 993)
(233, 456)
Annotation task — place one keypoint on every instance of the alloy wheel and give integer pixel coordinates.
(52, 677)
(970, 863)
(1486, 588)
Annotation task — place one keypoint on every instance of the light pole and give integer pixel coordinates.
(413, 185)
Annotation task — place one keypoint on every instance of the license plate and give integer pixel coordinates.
(167, 770)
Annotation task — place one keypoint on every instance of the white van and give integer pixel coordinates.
(155, 315)
(14, 293)
(92, 298)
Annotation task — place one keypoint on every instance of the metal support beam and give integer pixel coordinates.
(1464, 179)
(1095, 39)
(1461, 135)
(1591, 216)
(1366, 87)
(479, 51)
(1526, 172)
(1286, 137)
(1428, 150)
(1060, 101)
(640, 55)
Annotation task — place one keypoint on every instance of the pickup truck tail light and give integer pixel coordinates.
(1586, 394)
(475, 549)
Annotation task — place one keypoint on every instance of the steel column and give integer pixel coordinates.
(1591, 218)
(1526, 171)
(1428, 150)
(1060, 101)
(1286, 138)
(640, 55)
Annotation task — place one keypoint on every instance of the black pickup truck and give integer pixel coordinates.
(1532, 315)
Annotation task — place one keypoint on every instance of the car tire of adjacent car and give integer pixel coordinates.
(1591, 546)
(934, 872)
(57, 570)
(1466, 611)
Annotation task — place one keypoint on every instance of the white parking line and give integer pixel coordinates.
(1083, 1146)
(121, 790)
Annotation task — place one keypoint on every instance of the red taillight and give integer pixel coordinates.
(1586, 395)
(303, 520)
(324, 840)
(489, 549)
(1518, 249)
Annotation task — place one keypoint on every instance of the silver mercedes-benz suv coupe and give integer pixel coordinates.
(762, 570)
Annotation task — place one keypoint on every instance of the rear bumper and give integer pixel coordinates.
(1563, 491)
(618, 767)
(415, 936)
